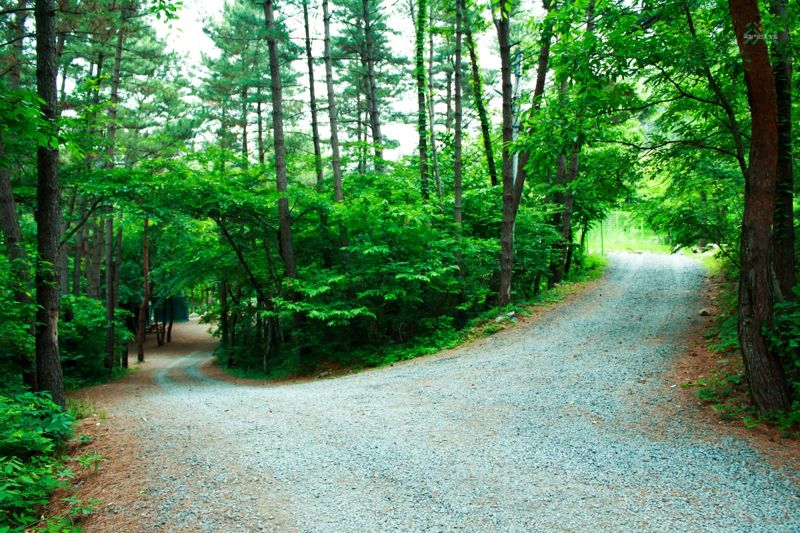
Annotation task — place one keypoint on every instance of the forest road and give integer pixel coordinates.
(566, 423)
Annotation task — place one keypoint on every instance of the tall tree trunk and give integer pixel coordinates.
(768, 386)
(448, 114)
(245, 147)
(260, 116)
(566, 210)
(285, 217)
(327, 259)
(457, 141)
(503, 25)
(372, 87)
(117, 269)
(419, 73)
(783, 226)
(170, 318)
(48, 212)
(77, 268)
(338, 192)
(144, 307)
(512, 189)
(109, 211)
(477, 97)
(434, 152)
(18, 47)
(224, 315)
(312, 98)
(110, 297)
(95, 260)
(361, 137)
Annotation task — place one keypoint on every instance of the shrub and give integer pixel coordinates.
(32, 430)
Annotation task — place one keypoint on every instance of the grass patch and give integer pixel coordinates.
(621, 232)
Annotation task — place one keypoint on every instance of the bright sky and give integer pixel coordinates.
(185, 36)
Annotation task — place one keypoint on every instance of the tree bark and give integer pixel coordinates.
(94, 260)
(434, 152)
(109, 211)
(48, 212)
(503, 25)
(480, 106)
(457, 140)
(144, 307)
(245, 147)
(117, 269)
(768, 386)
(512, 189)
(285, 218)
(372, 88)
(338, 192)
(419, 73)
(260, 116)
(783, 226)
(312, 98)
(327, 259)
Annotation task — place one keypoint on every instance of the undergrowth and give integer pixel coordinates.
(446, 335)
(34, 434)
(725, 388)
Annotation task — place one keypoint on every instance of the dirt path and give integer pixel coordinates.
(568, 423)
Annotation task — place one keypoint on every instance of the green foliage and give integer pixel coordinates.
(83, 339)
(32, 431)
(784, 339)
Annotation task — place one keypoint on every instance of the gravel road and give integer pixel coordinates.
(568, 423)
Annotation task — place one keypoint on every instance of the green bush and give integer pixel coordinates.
(32, 431)
(82, 340)
(784, 338)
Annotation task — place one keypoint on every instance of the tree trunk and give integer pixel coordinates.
(503, 25)
(110, 296)
(556, 255)
(338, 192)
(171, 318)
(260, 129)
(566, 211)
(512, 189)
(285, 218)
(457, 155)
(312, 98)
(109, 231)
(80, 245)
(434, 153)
(223, 315)
(448, 114)
(48, 213)
(117, 269)
(783, 226)
(95, 260)
(327, 259)
(144, 307)
(419, 73)
(245, 147)
(361, 137)
(768, 386)
(480, 106)
(372, 88)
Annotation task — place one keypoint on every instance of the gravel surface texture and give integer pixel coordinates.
(566, 423)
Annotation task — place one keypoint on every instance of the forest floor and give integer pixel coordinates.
(571, 421)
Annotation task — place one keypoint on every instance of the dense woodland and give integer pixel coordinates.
(261, 191)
